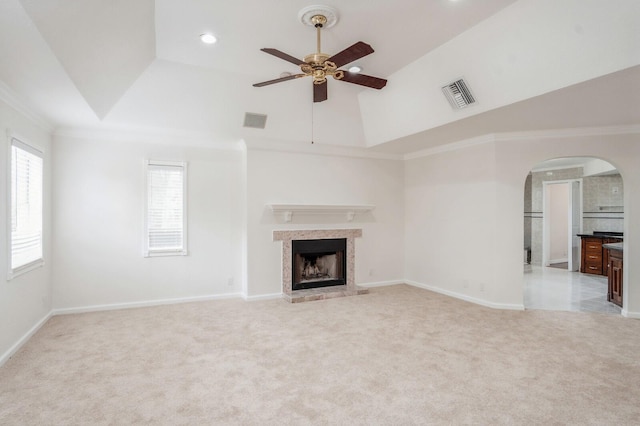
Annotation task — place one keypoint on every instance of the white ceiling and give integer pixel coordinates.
(139, 66)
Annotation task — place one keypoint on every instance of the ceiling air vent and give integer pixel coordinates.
(256, 121)
(458, 94)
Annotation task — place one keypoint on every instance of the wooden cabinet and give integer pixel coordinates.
(614, 294)
(595, 259)
(591, 256)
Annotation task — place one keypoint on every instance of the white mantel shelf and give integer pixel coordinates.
(313, 209)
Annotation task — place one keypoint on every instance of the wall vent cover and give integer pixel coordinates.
(458, 94)
(256, 121)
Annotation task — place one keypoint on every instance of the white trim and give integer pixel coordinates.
(269, 296)
(154, 136)
(319, 149)
(381, 283)
(465, 143)
(10, 98)
(511, 136)
(24, 339)
(144, 304)
(630, 314)
(482, 302)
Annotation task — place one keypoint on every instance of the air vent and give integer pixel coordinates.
(458, 94)
(256, 121)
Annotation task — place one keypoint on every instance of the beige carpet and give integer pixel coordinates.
(396, 356)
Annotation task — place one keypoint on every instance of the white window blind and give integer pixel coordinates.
(166, 208)
(26, 206)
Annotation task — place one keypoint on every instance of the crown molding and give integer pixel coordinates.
(529, 135)
(9, 97)
(318, 149)
(569, 133)
(154, 136)
(454, 146)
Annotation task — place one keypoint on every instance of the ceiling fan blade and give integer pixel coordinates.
(279, 80)
(320, 92)
(364, 80)
(351, 53)
(282, 55)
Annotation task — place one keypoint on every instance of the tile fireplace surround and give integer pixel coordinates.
(323, 292)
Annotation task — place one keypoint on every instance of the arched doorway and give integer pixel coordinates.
(564, 198)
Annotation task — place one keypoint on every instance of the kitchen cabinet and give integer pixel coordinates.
(594, 258)
(614, 293)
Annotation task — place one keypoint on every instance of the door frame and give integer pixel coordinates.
(546, 221)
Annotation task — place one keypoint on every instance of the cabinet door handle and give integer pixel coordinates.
(593, 257)
(592, 267)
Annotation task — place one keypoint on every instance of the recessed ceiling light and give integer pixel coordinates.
(208, 38)
(355, 69)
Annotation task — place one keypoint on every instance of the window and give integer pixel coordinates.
(26, 208)
(165, 213)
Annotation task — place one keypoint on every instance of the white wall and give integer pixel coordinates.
(98, 225)
(25, 301)
(463, 213)
(568, 41)
(304, 178)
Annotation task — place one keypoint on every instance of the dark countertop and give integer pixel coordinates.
(613, 246)
(597, 234)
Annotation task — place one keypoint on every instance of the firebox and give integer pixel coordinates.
(319, 263)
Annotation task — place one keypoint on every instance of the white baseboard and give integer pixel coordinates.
(381, 283)
(24, 339)
(270, 296)
(144, 304)
(630, 314)
(466, 298)
(553, 261)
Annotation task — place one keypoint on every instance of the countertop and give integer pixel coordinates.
(600, 235)
(613, 246)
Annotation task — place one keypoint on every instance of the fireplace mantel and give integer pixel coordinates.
(287, 210)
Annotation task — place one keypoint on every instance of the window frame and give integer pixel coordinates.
(33, 149)
(147, 251)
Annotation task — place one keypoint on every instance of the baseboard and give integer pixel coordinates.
(144, 304)
(627, 314)
(381, 283)
(270, 296)
(466, 298)
(24, 339)
(554, 261)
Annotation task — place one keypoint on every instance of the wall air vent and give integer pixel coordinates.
(458, 94)
(255, 121)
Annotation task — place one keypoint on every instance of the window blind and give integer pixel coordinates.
(165, 207)
(26, 205)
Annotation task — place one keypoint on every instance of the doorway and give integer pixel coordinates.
(561, 223)
(563, 198)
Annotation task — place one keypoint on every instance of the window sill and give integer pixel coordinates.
(14, 273)
(166, 253)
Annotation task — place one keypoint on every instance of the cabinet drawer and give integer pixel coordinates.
(593, 267)
(593, 257)
(593, 247)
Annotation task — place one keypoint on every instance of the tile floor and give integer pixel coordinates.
(560, 290)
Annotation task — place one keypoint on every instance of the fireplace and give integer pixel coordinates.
(319, 263)
(335, 289)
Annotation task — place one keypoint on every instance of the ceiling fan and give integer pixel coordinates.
(319, 65)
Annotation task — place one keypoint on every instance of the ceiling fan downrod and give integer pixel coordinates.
(316, 64)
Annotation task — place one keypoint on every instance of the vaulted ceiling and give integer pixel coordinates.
(123, 65)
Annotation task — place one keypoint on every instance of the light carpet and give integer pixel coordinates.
(397, 356)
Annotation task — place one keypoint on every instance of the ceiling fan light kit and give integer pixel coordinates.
(320, 65)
